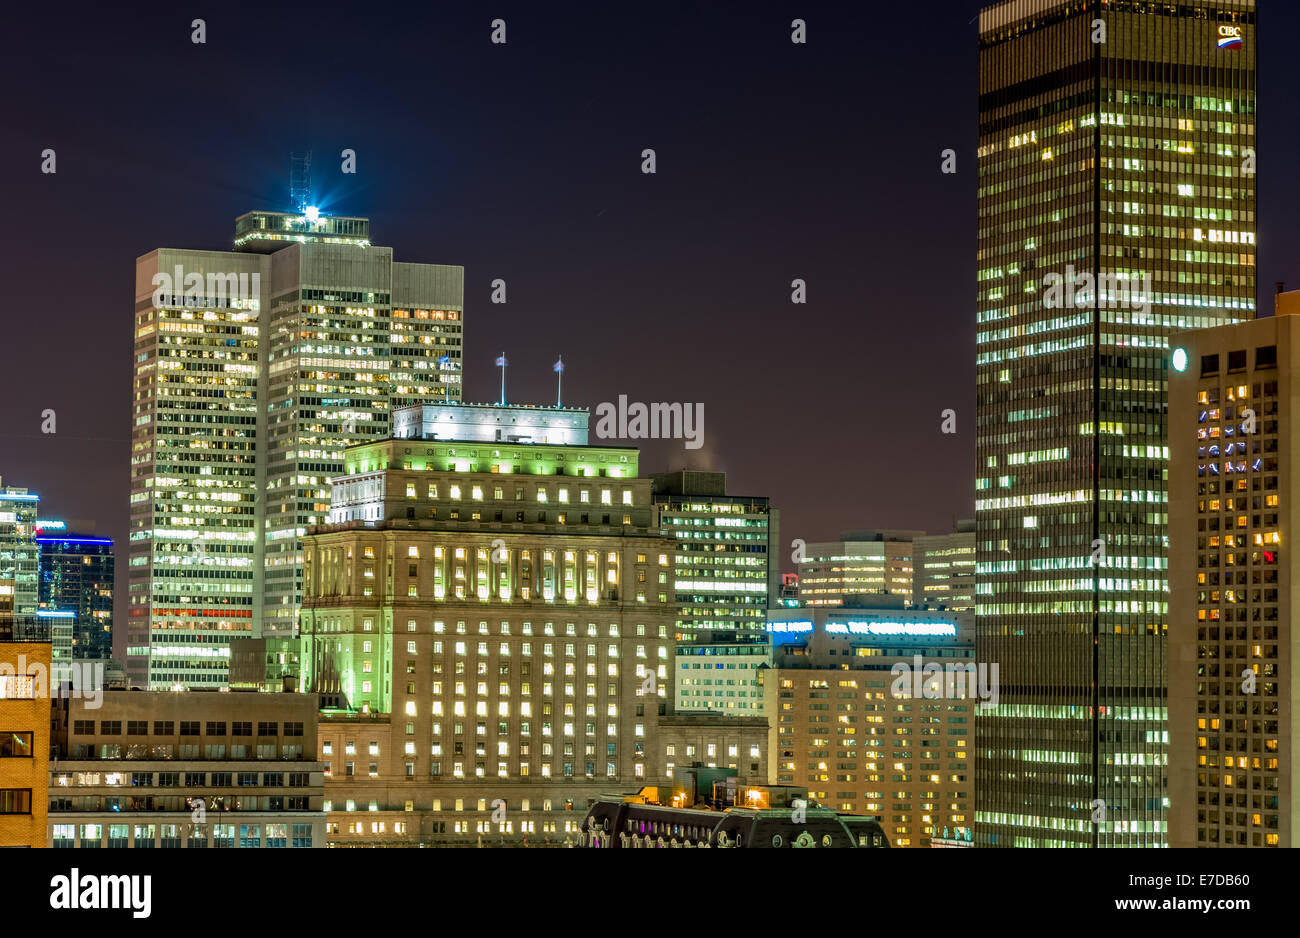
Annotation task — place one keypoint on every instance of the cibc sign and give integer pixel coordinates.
(1229, 37)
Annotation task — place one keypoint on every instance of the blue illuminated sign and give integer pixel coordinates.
(802, 625)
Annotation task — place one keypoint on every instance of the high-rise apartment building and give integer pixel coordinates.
(491, 613)
(76, 576)
(1232, 514)
(943, 569)
(1116, 196)
(253, 370)
(861, 563)
(19, 561)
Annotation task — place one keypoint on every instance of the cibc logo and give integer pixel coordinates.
(1230, 37)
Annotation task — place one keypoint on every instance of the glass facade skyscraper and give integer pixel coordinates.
(76, 576)
(1116, 204)
(18, 563)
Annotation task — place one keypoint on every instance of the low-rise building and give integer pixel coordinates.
(186, 769)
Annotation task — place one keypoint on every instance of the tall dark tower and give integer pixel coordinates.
(1116, 204)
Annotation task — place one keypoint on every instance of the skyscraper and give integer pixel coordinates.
(724, 578)
(1232, 518)
(19, 557)
(76, 576)
(253, 370)
(1116, 203)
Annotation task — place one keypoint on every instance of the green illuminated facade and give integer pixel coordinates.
(1116, 204)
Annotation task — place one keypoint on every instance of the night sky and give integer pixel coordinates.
(522, 162)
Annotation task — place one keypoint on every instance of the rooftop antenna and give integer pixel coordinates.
(300, 181)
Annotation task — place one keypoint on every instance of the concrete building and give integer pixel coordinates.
(862, 563)
(944, 569)
(1232, 514)
(253, 370)
(19, 562)
(874, 710)
(186, 769)
(76, 576)
(24, 742)
(1116, 205)
(494, 620)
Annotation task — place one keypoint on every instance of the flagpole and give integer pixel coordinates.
(559, 382)
(503, 378)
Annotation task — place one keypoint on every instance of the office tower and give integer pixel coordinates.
(76, 576)
(24, 742)
(724, 576)
(1232, 517)
(254, 369)
(723, 579)
(855, 715)
(185, 770)
(1116, 203)
(860, 563)
(943, 569)
(19, 558)
(485, 614)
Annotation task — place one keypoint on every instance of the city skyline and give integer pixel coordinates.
(922, 274)
(487, 217)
